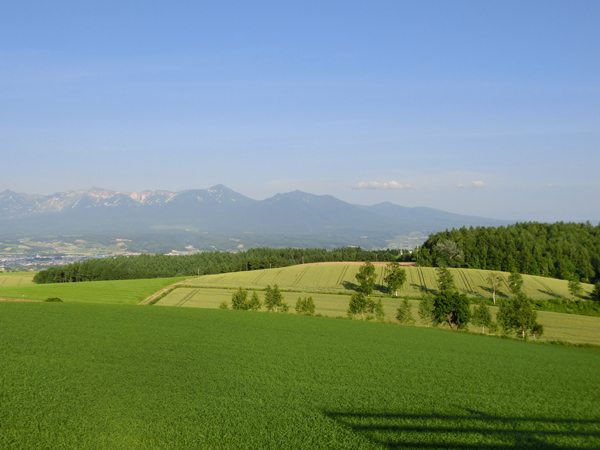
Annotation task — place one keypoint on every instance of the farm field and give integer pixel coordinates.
(335, 278)
(120, 291)
(557, 326)
(101, 376)
(16, 278)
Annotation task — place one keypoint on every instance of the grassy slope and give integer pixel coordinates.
(122, 291)
(106, 377)
(341, 278)
(16, 278)
(567, 327)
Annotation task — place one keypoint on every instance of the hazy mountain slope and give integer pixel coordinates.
(215, 210)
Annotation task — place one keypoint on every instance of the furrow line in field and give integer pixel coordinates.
(186, 297)
(342, 276)
(300, 276)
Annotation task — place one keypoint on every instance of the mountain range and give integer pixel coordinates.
(216, 210)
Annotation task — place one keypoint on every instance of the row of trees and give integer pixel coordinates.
(560, 250)
(274, 302)
(447, 305)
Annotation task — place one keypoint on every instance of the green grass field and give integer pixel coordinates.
(557, 326)
(341, 278)
(101, 376)
(16, 278)
(122, 291)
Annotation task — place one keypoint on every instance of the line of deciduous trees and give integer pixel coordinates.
(446, 305)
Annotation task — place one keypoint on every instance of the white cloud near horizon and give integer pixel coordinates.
(380, 185)
(477, 184)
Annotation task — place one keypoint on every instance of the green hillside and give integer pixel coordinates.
(336, 278)
(101, 376)
(121, 291)
(16, 278)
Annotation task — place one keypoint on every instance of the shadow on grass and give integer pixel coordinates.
(423, 289)
(472, 430)
(553, 294)
(350, 286)
(355, 287)
(499, 294)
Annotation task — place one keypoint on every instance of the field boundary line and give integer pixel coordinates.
(147, 300)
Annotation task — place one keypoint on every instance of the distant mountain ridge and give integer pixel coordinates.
(217, 209)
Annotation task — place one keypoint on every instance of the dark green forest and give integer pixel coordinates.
(558, 250)
(204, 263)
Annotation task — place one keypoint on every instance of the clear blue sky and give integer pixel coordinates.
(481, 107)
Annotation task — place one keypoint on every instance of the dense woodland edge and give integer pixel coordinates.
(559, 250)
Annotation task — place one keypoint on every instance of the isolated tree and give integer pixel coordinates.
(274, 300)
(404, 313)
(366, 278)
(482, 317)
(427, 309)
(445, 280)
(378, 310)
(450, 306)
(537, 330)
(360, 306)
(517, 314)
(254, 304)
(239, 299)
(493, 281)
(395, 278)
(305, 306)
(596, 292)
(449, 254)
(574, 287)
(515, 283)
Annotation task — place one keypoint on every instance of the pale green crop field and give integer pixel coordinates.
(16, 278)
(121, 291)
(566, 327)
(341, 278)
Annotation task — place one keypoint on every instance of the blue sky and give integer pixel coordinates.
(483, 108)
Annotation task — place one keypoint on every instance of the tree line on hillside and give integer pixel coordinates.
(205, 263)
(559, 250)
(446, 306)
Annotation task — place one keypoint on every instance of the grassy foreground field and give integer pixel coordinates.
(341, 278)
(100, 376)
(557, 326)
(121, 291)
(16, 278)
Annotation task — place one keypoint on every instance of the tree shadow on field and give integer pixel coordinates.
(355, 287)
(423, 289)
(552, 294)
(471, 430)
(499, 294)
(351, 286)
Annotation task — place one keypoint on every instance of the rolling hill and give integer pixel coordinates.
(340, 278)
